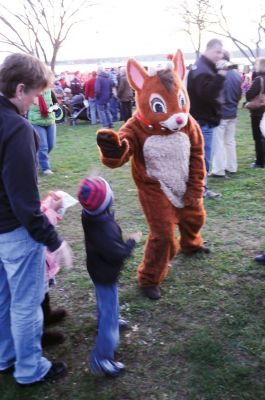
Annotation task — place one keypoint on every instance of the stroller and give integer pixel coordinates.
(76, 109)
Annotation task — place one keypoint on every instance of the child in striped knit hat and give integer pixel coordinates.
(106, 252)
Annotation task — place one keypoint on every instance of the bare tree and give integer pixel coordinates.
(245, 47)
(40, 27)
(197, 17)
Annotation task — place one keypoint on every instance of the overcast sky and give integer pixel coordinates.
(135, 27)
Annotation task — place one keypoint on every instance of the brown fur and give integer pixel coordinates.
(167, 78)
(161, 245)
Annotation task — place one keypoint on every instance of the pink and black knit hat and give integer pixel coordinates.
(95, 195)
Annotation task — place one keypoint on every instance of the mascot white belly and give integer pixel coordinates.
(167, 159)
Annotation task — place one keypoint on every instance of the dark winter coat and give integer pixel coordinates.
(19, 195)
(204, 87)
(253, 91)
(124, 90)
(103, 88)
(232, 94)
(105, 249)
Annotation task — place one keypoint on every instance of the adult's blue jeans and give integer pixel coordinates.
(108, 321)
(21, 294)
(105, 115)
(47, 135)
(113, 105)
(93, 110)
(207, 132)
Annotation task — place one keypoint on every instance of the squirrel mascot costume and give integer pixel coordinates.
(165, 146)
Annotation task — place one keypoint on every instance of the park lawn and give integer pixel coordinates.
(204, 339)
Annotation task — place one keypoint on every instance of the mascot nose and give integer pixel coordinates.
(179, 120)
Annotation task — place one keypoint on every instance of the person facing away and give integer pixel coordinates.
(256, 115)
(24, 229)
(204, 84)
(125, 95)
(224, 158)
(106, 252)
(103, 90)
(91, 97)
(43, 121)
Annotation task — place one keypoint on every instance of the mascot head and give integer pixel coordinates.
(161, 97)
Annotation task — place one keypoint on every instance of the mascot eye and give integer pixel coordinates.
(158, 105)
(182, 100)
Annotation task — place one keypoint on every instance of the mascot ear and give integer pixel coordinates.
(179, 65)
(136, 74)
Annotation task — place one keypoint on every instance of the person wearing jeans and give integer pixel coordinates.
(103, 90)
(43, 122)
(207, 132)
(22, 271)
(24, 229)
(105, 115)
(106, 252)
(47, 135)
(205, 84)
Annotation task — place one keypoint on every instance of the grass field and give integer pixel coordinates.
(204, 340)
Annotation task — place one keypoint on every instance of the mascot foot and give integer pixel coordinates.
(201, 250)
(152, 292)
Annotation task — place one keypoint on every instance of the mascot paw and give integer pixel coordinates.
(110, 145)
(201, 250)
(152, 292)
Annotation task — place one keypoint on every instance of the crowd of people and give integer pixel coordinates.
(106, 94)
(28, 131)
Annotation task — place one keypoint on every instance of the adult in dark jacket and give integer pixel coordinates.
(106, 252)
(224, 147)
(103, 90)
(24, 229)
(256, 115)
(125, 95)
(205, 83)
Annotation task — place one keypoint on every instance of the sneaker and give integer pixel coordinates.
(47, 172)
(123, 325)
(152, 292)
(211, 195)
(260, 258)
(105, 367)
(57, 370)
(255, 165)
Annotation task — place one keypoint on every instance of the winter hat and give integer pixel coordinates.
(95, 195)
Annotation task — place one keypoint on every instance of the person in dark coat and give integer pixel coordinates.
(103, 90)
(256, 115)
(205, 84)
(24, 229)
(224, 158)
(125, 95)
(106, 252)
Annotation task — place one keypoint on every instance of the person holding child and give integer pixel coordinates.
(24, 228)
(106, 252)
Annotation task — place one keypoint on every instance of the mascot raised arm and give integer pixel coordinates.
(165, 146)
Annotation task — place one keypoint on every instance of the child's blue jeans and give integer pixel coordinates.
(108, 321)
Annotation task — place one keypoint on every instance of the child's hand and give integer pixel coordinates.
(53, 201)
(136, 236)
